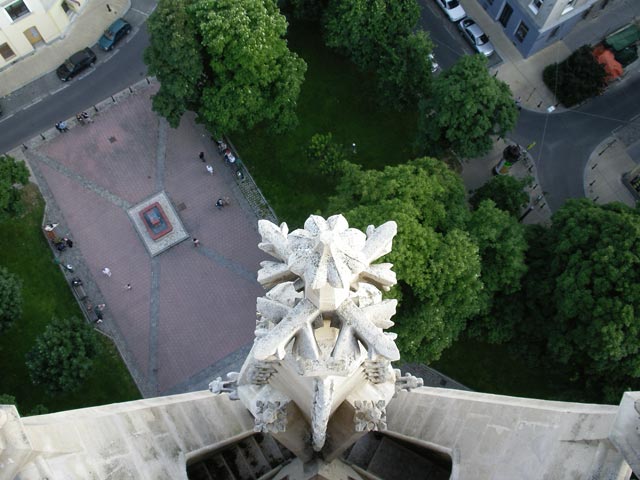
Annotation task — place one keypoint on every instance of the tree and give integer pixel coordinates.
(13, 175)
(577, 78)
(378, 35)
(329, 156)
(363, 29)
(502, 247)
(62, 355)
(405, 71)
(311, 10)
(228, 60)
(10, 298)
(584, 292)
(506, 192)
(466, 107)
(436, 261)
(6, 399)
(252, 74)
(175, 56)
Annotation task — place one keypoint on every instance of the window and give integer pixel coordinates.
(17, 10)
(505, 15)
(535, 5)
(522, 31)
(6, 52)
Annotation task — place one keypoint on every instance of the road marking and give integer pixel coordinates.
(139, 11)
(7, 117)
(36, 100)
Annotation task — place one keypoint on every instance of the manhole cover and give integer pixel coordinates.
(181, 207)
(112, 140)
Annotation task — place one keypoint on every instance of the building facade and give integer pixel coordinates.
(534, 24)
(27, 24)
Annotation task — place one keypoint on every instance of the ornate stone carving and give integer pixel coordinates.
(407, 382)
(370, 415)
(229, 386)
(320, 334)
(270, 417)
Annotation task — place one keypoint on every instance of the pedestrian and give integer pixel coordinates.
(210, 169)
(219, 204)
(106, 271)
(68, 241)
(201, 156)
(128, 287)
(519, 103)
(61, 126)
(196, 242)
(50, 226)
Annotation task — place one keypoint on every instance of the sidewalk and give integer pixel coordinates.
(478, 171)
(524, 76)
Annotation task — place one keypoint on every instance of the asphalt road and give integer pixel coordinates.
(564, 141)
(122, 69)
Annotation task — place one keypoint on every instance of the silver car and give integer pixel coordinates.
(452, 9)
(475, 36)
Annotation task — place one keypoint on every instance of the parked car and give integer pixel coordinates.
(434, 64)
(452, 9)
(75, 64)
(475, 36)
(112, 35)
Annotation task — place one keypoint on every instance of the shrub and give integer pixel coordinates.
(577, 78)
(62, 355)
(10, 298)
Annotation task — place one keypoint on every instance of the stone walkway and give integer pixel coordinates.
(191, 311)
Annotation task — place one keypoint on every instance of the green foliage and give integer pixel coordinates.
(379, 35)
(174, 56)
(584, 293)
(577, 78)
(310, 10)
(226, 59)
(62, 356)
(12, 174)
(327, 154)
(8, 400)
(466, 107)
(363, 29)
(435, 259)
(253, 76)
(506, 192)
(502, 246)
(10, 298)
(404, 74)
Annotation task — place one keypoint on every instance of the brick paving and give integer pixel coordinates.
(190, 309)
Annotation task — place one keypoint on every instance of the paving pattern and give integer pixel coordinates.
(191, 311)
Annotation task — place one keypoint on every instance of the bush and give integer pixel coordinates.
(62, 355)
(10, 298)
(329, 156)
(506, 191)
(13, 175)
(576, 79)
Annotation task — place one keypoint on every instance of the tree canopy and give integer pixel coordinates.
(466, 107)
(584, 292)
(505, 191)
(436, 261)
(379, 35)
(10, 298)
(577, 78)
(62, 355)
(13, 174)
(239, 70)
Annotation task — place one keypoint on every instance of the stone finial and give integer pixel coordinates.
(320, 335)
(229, 386)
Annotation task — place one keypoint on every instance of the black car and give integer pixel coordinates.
(75, 64)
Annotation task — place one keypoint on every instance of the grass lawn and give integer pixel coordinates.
(335, 98)
(494, 369)
(24, 251)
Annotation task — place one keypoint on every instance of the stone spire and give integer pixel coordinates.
(320, 334)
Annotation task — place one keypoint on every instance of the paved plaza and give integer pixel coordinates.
(189, 308)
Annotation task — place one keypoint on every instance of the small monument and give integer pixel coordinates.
(320, 335)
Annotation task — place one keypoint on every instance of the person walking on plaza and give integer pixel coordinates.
(219, 204)
(196, 242)
(106, 271)
(201, 156)
(128, 287)
(210, 169)
(61, 126)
